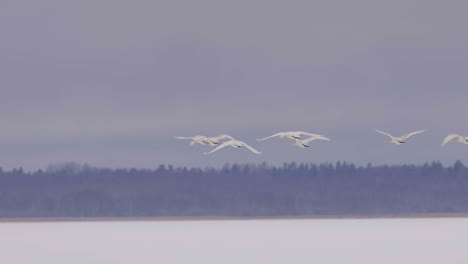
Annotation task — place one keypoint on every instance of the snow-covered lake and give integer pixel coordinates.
(244, 241)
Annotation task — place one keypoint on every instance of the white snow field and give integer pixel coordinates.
(428, 240)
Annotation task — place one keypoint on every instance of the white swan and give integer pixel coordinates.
(455, 138)
(291, 135)
(399, 140)
(235, 144)
(303, 143)
(202, 140)
(215, 140)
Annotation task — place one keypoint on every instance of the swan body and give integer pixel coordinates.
(215, 140)
(235, 144)
(455, 138)
(291, 135)
(302, 143)
(399, 140)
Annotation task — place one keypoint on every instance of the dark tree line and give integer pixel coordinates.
(72, 190)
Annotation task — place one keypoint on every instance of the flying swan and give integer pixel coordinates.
(291, 135)
(399, 140)
(235, 144)
(303, 143)
(455, 138)
(202, 140)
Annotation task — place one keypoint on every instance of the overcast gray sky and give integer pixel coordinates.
(109, 82)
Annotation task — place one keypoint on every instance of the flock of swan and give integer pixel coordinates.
(301, 139)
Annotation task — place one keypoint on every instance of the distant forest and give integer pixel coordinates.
(73, 190)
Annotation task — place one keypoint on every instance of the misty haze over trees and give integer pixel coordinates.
(72, 190)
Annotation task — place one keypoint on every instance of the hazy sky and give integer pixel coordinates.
(109, 82)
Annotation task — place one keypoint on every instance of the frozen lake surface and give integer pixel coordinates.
(242, 241)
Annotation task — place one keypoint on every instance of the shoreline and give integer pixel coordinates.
(227, 218)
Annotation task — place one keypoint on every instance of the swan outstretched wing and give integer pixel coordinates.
(411, 134)
(272, 136)
(225, 144)
(381, 132)
(450, 138)
(183, 137)
(251, 149)
(223, 136)
(307, 140)
(309, 134)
